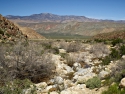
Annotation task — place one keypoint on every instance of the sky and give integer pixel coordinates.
(99, 9)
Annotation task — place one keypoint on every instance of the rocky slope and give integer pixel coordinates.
(111, 35)
(31, 34)
(13, 32)
(9, 32)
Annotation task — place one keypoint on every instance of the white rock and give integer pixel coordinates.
(27, 91)
(79, 89)
(123, 56)
(66, 92)
(77, 65)
(68, 69)
(49, 87)
(103, 74)
(83, 75)
(58, 80)
(82, 71)
(42, 85)
(68, 83)
(96, 61)
(122, 82)
(62, 51)
(54, 92)
(83, 79)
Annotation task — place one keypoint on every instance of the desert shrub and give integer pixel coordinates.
(97, 40)
(94, 82)
(122, 50)
(106, 60)
(114, 89)
(16, 86)
(69, 60)
(26, 62)
(100, 40)
(35, 69)
(115, 54)
(1, 31)
(116, 41)
(64, 45)
(118, 71)
(99, 49)
(55, 50)
(74, 47)
(47, 45)
(63, 55)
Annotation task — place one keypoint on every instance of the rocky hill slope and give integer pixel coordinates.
(31, 34)
(111, 35)
(13, 32)
(9, 32)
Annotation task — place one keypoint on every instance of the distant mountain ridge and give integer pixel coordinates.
(47, 23)
(48, 17)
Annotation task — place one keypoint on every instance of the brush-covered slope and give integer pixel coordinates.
(111, 35)
(9, 31)
(31, 34)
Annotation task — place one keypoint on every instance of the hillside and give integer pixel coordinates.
(9, 32)
(31, 34)
(67, 24)
(79, 28)
(111, 35)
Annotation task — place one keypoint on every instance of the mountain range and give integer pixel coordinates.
(67, 24)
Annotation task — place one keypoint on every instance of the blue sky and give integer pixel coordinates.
(100, 9)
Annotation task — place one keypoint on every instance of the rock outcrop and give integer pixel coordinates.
(10, 32)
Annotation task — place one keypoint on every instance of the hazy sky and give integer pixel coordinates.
(101, 9)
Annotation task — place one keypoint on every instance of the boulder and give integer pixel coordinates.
(54, 92)
(58, 80)
(82, 75)
(123, 57)
(76, 66)
(68, 83)
(122, 82)
(103, 74)
(42, 85)
(68, 69)
(83, 79)
(78, 89)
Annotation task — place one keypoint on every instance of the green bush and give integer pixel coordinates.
(94, 82)
(16, 86)
(118, 71)
(1, 31)
(55, 50)
(106, 60)
(69, 60)
(115, 54)
(114, 89)
(116, 41)
(122, 50)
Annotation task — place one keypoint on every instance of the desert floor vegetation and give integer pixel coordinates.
(25, 64)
